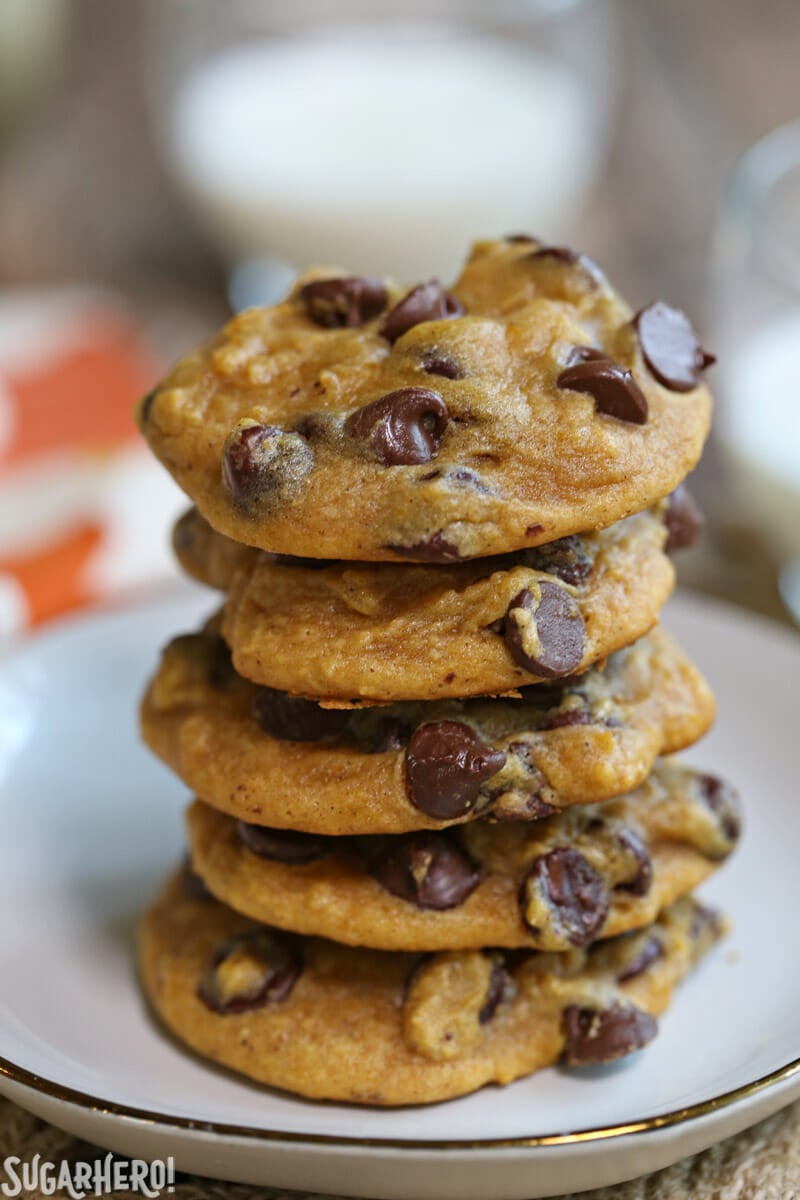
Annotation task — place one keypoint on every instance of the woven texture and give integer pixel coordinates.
(762, 1163)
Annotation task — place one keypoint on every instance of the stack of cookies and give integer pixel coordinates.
(439, 841)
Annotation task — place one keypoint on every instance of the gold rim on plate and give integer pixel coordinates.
(73, 1096)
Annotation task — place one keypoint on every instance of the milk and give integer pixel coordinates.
(385, 151)
(759, 426)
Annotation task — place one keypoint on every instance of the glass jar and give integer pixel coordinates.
(756, 313)
(381, 137)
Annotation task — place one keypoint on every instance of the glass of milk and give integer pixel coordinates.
(379, 135)
(756, 302)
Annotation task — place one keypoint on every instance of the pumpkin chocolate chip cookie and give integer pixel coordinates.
(590, 872)
(267, 758)
(359, 420)
(346, 633)
(388, 1028)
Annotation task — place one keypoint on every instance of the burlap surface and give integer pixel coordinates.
(762, 1163)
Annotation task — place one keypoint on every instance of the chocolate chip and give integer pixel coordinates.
(683, 519)
(670, 347)
(404, 428)
(546, 635)
(263, 465)
(294, 720)
(426, 869)
(193, 886)
(567, 257)
(724, 803)
(650, 952)
(564, 718)
(334, 303)
(221, 673)
(446, 764)
(564, 887)
(595, 1036)
(526, 808)
(434, 549)
(208, 656)
(427, 302)
(565, 558)
(187, 532)
(499, 986)
(318, 426)
(640, 879)
(307, 564)
(437, 362)
(612, 387)
(282, 845)
(706, 923)
(390, 734)
(468, 478)
(562, 254)
(250, 971)
(146, 405)
(519, 239)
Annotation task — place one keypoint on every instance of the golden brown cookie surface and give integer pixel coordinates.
(372, 1027)
(266, 758)
(380, 633)
(365, 422)
(593, 871)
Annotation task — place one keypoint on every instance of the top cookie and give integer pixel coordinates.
(362, 421)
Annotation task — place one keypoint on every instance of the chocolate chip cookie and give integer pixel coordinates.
(388, 1028)
(377, 633)
(265, 757)
(359, 420)
(590, 872)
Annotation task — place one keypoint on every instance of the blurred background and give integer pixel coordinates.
(162, 163)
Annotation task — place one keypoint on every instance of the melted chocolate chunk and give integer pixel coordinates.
(641, 878)
(187, 531)
(572, 892)
(724, 803)
(433, 549)
(427, 302)
(670, 347)
(146, 406)
(499, 986)
(594, 1036)
(446, 764)
(335, 303)
(426, 869)
(683, 519)
(209, 656)
(194, 887)
(566, 256)
(562, 254)
(262, 464)
(563, 719)
(282, 845)
(614, 390)
(566, 558)
(439, 362)
(307, 564)
(531, 808)
(650, 952)
(404, 428)
(390, 734)
(250, 971)
(545, 636)
(706, 923)
(294, 720)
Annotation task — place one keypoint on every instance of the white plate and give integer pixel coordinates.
(92, 824)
